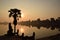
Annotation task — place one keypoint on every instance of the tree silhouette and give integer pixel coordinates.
(15, 13)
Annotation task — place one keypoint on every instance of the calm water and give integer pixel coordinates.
(42, 32)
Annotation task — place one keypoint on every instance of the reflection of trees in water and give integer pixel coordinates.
(52, 23)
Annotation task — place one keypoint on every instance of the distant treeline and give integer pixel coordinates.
(48, 23)
(4, 23)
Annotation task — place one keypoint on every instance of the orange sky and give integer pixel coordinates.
(31, 9)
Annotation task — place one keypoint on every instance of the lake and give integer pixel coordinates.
(28, 31)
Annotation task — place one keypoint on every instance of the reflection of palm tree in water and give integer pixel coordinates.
(15, 13)
(10, 31)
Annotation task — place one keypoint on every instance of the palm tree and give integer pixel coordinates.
(15, 13)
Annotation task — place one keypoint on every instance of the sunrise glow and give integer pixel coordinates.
(22, 30)
(22, 15)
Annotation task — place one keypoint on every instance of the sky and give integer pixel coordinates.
(31, 9)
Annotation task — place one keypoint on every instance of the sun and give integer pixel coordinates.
(22, 15)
